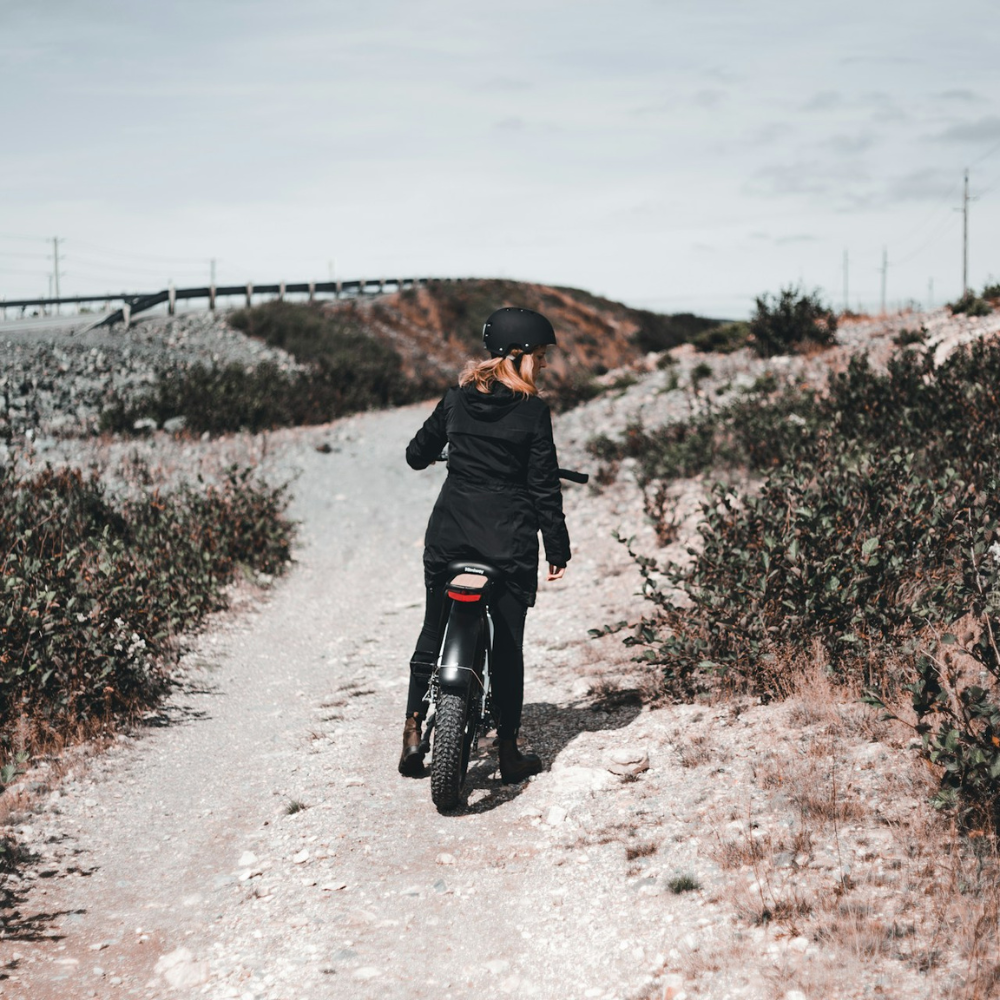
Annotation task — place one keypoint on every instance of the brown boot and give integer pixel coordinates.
(411, 761)
(516, 766)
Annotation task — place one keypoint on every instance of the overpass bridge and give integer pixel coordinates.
(134, 303)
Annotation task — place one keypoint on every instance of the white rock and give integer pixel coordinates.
(555, 816)
(629, 762)
(799, 944)
(673, 986)
(333, 886)
(354, 781)
(794, 995)
(497, 966)
(366, 972)
(301, 858)
(573, 780)
(446, 859)
(180, 969)
(247, 859)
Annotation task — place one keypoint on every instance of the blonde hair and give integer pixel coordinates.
(516, 371)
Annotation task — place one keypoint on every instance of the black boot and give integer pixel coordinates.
(411, 760)
(516, 766)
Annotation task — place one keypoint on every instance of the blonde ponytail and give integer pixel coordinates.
(516, 371)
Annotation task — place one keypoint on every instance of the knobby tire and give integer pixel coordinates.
(453, 733)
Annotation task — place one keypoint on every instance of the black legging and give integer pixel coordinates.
(507, 671)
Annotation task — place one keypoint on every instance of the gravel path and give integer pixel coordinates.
(182, 837)
(255, 840)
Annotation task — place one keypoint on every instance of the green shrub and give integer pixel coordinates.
(573, 391)
(791, 322)
(722, 339)
(971, 305)
(906, 338)
(991, 290)
(346, 371)
(94, 591)
(699, 373)
(875, 530)
(761, 429)
(658, 332)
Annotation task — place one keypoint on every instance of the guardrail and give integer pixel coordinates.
(133, 304)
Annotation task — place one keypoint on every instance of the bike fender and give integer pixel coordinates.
(461, 644)
(455, 678)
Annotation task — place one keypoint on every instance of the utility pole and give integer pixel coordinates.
(847, 301)
(211, 289)
(213, 272)
(885, 268)
(965, 234)
(55, 265)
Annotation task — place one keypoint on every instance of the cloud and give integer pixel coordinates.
(963, 96)
(983, 130)
(880, 60)
(921, 185)
(506, 84)
(769, 133)
(512, 124)
(849, 145)
(825, 100)
(838, 184)
(783, 180)
(708, 98)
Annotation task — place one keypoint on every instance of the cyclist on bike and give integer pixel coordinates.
(502, 488)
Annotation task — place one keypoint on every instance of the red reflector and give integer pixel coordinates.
(456, 595)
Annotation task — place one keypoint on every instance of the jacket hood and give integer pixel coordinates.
(488, 406)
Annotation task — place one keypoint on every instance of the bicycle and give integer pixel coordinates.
(459, 705)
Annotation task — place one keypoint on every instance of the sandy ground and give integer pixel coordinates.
(254, 839)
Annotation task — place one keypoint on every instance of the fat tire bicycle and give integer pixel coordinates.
(459, 697)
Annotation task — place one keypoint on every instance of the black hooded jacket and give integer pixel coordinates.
(502, 486)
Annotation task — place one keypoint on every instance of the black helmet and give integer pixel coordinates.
(512, 327)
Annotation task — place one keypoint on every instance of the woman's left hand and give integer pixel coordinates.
(556, 572)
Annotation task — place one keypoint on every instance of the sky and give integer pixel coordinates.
(675, 155)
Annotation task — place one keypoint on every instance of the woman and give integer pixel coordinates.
(502, 488)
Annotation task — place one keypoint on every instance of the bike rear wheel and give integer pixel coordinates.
(454, 731)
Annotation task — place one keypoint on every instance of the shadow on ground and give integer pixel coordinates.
(16, 925)
(551, 728)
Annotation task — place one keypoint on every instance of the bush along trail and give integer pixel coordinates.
(872, 541)
(96, 591)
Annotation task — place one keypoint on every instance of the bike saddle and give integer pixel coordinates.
(477, 570)
(469, 581)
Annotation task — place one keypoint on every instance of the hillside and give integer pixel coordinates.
(435, 328)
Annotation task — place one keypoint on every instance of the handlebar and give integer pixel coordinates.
(574, 477)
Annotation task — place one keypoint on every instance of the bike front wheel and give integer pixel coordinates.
(454, 729)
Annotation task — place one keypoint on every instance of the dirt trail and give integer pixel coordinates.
(301, 702)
